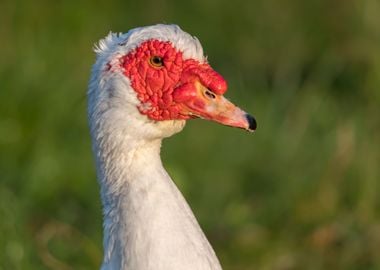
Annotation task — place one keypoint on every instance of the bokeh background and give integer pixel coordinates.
(300, 193)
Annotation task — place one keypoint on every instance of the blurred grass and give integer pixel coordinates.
(301, 193)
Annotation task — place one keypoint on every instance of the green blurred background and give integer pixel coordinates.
(300, 193)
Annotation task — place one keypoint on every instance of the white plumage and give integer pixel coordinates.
(147, 222)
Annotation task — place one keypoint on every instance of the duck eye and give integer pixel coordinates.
(156, 61)
(210, 94)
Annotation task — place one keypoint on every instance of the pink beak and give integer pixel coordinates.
(197, 100)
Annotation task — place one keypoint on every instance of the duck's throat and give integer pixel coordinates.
(147, 222)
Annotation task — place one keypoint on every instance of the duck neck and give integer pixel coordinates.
(147, 222)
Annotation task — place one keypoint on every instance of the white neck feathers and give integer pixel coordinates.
(147, 223)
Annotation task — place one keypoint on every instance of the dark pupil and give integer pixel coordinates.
(157, 60)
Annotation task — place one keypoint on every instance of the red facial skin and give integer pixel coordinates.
(177, 89)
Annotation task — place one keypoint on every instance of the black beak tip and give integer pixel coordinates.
(252, 122)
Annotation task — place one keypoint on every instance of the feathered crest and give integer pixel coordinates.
(123, 43)
(108, 43)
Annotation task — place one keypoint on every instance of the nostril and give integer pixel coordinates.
(210, 94)
(252, 122)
